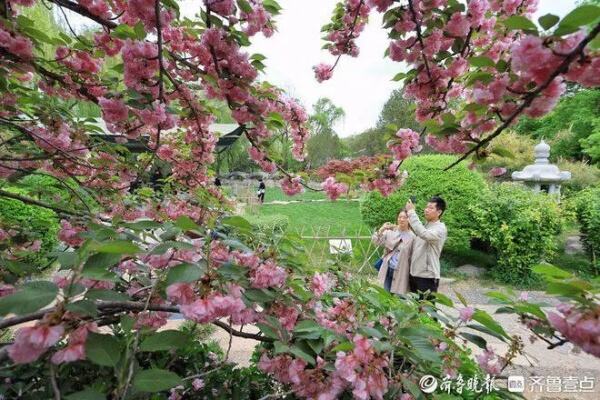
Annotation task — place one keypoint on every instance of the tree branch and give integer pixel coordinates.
(114, 307)
(528, 99)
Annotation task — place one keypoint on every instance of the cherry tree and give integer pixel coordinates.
(133, 255)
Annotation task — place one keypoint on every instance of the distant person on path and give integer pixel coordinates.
(397, 240)
(217, 182)
(261, 190)
(427, 246)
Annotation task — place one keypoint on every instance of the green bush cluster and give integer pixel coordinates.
(459, 186)
(32, 223)
(587, 210)
(519, 226)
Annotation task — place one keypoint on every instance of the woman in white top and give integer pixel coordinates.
(397, 241)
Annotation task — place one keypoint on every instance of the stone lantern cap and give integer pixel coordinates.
(541, 170)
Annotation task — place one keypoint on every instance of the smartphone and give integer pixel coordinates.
(413, 199)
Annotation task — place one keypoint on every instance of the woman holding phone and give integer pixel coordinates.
(397, 241)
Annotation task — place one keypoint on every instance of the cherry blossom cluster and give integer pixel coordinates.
(361, 371)
(579, 327)
(513, 70)
(334, 189)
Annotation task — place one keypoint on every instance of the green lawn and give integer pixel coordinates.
(276, 194)
(340, 217)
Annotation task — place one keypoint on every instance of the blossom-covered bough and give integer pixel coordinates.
(135, 254)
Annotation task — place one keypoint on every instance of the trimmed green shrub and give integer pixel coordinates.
(459, 186)
(587, 210)
(269, 223)
(520, 227)
(583, 175)
(32, 223)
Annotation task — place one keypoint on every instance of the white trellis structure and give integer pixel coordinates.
(321, 243)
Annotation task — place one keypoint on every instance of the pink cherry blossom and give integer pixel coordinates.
(321, 283)
(69, 234)
(333, 188)
(466, 314)
(113, 110)
(198, 384)
(181, 293)
(581, 327)
(291, 186)
(268, 274)
(33, 341)
(497, 171)
(323, 72)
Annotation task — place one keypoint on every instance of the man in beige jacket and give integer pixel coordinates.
(427, 246)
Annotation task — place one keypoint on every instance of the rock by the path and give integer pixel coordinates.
(471, 271)
(573, 245)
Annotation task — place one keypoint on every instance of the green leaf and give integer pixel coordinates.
(520, 22)
(268, 331)
(281, 347)
(564, 289)
(298, 352)
(124, 31)
(231, 271)
(106, 295)
(583, 15)
(185, 273)
(272, 6)
(237, 222)
(31, 297)
(244, 6)
(307, 326)
(498, 296)
(86, 394)
(530, 309)
(478, 340)
(97, 266)
(164, 340)
(484, 77)
(83, 307)
(139, 30)
(399, 76)
(259, 57)
(550, 271)
(117, 247)
(316, 345)
(163, 247)
(155, 380)
(172, 4)
(103, 350)
(481, 61)
(461, 298)
(344, 346)
(143, 225)
(371, 332)
(486, 320)
(548, 21)
(185, 223)
(443, 299)
(259, 295)
(595, 43)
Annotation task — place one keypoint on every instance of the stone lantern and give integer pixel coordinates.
(542, 176)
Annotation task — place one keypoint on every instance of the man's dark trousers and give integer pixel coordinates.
(417, 284)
